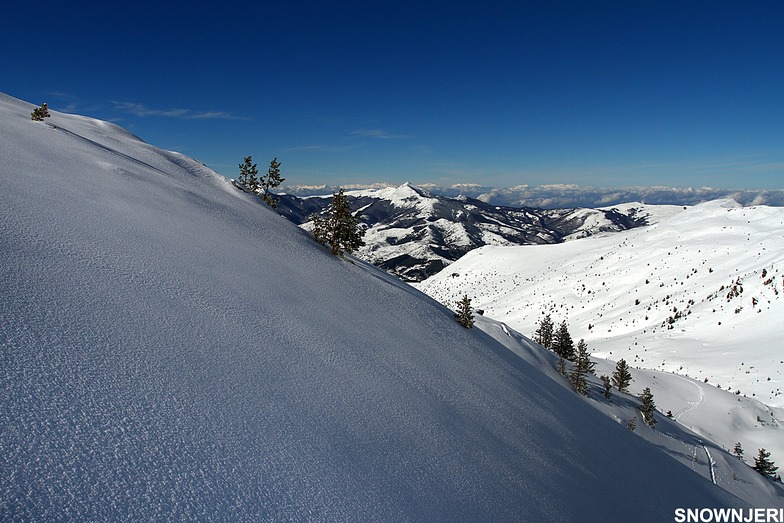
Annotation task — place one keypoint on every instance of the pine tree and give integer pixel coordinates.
(621, 378)
(39, 113)
(544, 333)
(632, 423)
(340, 229)
(578, 381)
(562, 342)
(583, 366)
(582, 349)
(648, 407)
(270, 181)
(248, 175)
(464, 315)
(764, 465)
(561, 366)
(606, 386)
(738, 451)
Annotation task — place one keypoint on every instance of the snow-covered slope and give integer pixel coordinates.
(414, 234)
(705, 422)
(173, 350)
(700, 293)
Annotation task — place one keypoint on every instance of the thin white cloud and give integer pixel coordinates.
(141, 110)
(380, 134)
(318, 148)
(70, 103)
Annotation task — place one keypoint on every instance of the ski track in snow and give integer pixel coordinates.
(691, 404)
(109, 149)
(711, 463)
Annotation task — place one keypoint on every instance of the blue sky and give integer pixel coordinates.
(605, 94)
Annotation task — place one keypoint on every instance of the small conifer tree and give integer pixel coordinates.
(270, 181)
(738, 451)
(584, 357)
(561, 366)
(464, 315)
(562, 342)
(583, 366)
(621, 377)
(606, 386)
(544, 333)
(248, 175)
(340, 229)
(764, 465)
(632, 423)
(648, 407)
(39, 113)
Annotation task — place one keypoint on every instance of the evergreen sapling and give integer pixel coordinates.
(464, 315)
(270, 181)
(583, 366)
(39, 113)
(340, 229)
(621, 377)
(606, 386)
(562, 342)
(738, 451)
(544, 333)
(764, 465)
(648, 407)
(248, 175)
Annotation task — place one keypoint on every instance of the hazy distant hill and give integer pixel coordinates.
(567, 196)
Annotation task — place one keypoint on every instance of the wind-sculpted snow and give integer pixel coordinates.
(174, 350)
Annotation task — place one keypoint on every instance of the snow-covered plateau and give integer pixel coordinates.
(172, 349)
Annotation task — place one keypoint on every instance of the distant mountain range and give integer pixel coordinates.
(414, 233)
(563, 196)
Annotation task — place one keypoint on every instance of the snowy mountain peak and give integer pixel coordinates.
(416, 190)
(404, 195)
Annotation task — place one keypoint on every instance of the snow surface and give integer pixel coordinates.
(172, 349)
(695, 436)
(700, 293)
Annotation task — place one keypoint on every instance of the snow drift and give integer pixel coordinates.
(172, 349)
